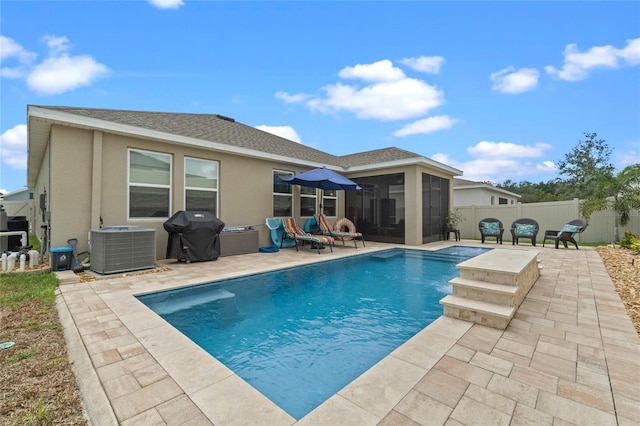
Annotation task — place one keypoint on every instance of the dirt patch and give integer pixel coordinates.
(623, 266)
(37, 384)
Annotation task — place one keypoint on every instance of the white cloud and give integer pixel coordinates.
(427, 64)
(10, 49)
(394, 100)
(64, 73)
(292, 99)
(577, 64)
(546, 167)
(631, 52)
(427, 125)
(499, 161)
(486, 149)
(384, 92)
(286, 132)
(376, 72)
(512, 81)
(58, 73)
(167, 4)
(627, 158)
(56, 45)
(13, 147)
(499, 170)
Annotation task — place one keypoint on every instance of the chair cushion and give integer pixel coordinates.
(490, 228)
(570, 228)
(525, 228)
(322, 222)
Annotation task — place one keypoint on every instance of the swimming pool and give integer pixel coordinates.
(299, 335)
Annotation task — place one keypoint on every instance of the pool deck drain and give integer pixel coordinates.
(569, 355)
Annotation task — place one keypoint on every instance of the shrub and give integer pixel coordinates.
(630, 241)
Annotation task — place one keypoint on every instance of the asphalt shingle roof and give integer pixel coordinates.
(225, 130)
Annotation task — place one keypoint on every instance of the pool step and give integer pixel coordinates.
(484, 291)
(492, 286)
(189, 302)
(479, 312)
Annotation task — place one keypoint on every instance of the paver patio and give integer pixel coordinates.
(570, 356)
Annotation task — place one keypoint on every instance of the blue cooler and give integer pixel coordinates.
(61, 258)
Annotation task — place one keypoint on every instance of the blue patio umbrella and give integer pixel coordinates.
(323, 179)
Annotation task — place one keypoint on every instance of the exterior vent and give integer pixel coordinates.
(222, 117)
(122, 249)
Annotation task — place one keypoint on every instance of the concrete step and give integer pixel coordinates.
(479, 312)
(508, 290)
(500, 294)
(67, 277)
(503, 266)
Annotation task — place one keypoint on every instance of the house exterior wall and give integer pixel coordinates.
(90, 181)
(42, 186)
(69, 191)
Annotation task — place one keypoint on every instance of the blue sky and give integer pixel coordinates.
(499, 90)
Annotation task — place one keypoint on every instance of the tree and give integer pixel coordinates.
(621, 193)
(587, 165)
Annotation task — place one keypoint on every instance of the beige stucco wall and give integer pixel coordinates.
(70, 194)
(42, 186)
(90, 181)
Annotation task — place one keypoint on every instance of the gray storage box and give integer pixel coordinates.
(238, 242)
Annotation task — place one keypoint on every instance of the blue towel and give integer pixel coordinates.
(269, 249)
(569, 228)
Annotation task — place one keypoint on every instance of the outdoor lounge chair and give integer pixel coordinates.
(338, 232)
(524, 228)
(491, 227)
(567, 232)
(293, 232)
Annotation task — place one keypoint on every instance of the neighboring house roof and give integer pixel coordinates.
(469, 184)
(208, 131)
(19, 195)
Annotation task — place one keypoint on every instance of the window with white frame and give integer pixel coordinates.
(149, 184)
(330, 202)
(282, 194)
(201, 185)
(308, 199)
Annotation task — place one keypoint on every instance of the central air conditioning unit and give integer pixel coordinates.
(122, 249)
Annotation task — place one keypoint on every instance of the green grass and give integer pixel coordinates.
(34, 242)
(18, 288)
(26, 354)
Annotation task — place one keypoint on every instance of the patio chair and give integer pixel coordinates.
(338, 232)
(491, 227)
(524, 228)
(293, 232)
(567, 233)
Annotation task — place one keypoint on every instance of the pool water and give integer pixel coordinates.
(299, 335)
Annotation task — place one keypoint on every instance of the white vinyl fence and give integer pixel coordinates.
(549, 215)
